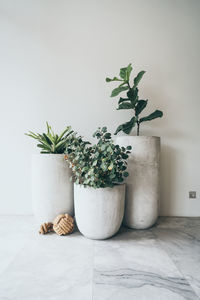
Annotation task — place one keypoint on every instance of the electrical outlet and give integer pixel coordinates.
(192, 194)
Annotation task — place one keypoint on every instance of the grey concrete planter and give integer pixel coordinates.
(143, 184)
(52, 190)
(99, 212)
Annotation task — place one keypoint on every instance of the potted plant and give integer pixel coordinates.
(99, 193)
(52, 190)
(142, 195)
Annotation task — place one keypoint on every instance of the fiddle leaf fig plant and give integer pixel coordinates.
(132, 100)
(100, 165)
(50, 142)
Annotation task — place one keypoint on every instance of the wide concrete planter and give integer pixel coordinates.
(99, 212)
(52, 190)
(143, 183)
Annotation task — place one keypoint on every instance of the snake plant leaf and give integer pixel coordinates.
(138, 78)
(125, 105)
(47, 127)
(44, 147)
(154, 115)
(65, 131)
(118, 90)
(60, 144)
(140, 106)
(48, 140)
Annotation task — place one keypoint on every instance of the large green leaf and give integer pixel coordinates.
(138, 78)
(154, 115)
(129, 70)
(125, 72)
(118, 90)
(132, 94)
(125, 105)
(119, 128)
(122, 73)
(128, 126)
(140, 106)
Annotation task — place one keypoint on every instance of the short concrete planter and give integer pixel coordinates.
(143, 184)
(99, 212)
(52, 190)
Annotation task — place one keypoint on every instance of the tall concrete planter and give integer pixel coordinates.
(143, 183)
(99, 212)
(52, 190)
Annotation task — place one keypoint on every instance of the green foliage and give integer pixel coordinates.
(50, 142)
(132, 100)
(100, 165)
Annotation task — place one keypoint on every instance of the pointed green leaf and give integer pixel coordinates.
(132, 94)
(122, 100)
(129, 70)
(112, 79)
(125, 72)
(122, 73)
(138, 78)
(140, 106)
(118, 90)
(125, 105)
(47, 139)
(154, 115)
(128, 126)
(119, 128)
(63, 133)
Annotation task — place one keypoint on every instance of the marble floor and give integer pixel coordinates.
(160, 263)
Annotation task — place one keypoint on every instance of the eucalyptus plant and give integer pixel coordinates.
(100, 165)
(131, 101)
(50, 142)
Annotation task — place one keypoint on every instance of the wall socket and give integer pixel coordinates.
(192, 194)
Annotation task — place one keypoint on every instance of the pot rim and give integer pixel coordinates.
(102, 188)
(48, 154)
(139, 136)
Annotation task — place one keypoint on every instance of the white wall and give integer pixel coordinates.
(54, 57)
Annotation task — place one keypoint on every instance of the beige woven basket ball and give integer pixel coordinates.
(63, 224)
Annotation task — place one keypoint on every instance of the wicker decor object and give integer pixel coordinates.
(45, 228)
(63, 224)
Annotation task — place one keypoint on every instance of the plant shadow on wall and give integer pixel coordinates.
(132, 100)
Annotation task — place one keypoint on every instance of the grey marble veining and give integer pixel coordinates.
(160, 263)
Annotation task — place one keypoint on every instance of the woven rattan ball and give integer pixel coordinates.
(45, 228)
(63, 224)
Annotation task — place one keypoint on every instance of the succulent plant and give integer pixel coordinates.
(100, 165)
(131, 101)
(50, 142)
